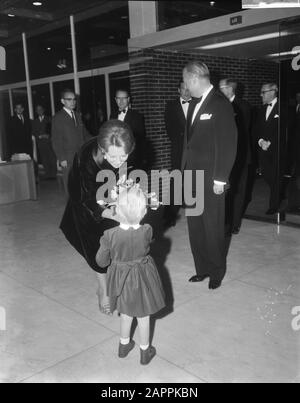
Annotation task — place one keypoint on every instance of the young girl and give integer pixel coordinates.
(133, 283)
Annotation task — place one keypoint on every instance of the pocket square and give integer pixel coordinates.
(276, 116)
(206, 116)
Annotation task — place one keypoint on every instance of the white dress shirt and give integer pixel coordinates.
(204, 96)
(184, 106)
(121, 115)
(270, 108)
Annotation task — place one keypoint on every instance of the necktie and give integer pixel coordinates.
(73, 117)
(21, 118)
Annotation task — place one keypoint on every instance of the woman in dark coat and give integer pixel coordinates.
(84, 220)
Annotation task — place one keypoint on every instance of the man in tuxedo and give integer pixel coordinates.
(20, 140)
(235, 197)
(209, 146)
(41, 130)
(271, 156)
(175, 121)
(68, 133)
(136, 122)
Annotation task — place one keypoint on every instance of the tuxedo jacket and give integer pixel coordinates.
(242, 112)
(210, 142)
(136, 122)
(175, 122)
(67, 137)
(20, 140)
(269, 130)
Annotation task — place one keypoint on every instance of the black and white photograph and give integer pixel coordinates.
(149, 194)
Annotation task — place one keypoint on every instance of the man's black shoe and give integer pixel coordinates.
(214, 284)
(236, 230)
(197, 278)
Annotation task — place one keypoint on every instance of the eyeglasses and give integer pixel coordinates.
(122, 98)
(263, 92)
(70, 99)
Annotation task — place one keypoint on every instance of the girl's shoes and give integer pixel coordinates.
(124, 349)
(147, 355)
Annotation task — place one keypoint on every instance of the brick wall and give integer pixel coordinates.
(154, 76)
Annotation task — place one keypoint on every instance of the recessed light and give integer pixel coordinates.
(37, 3)
(193, 15)
(124, 17)
(48, 48)
(111, 37)
(10, 15)
(212, 3)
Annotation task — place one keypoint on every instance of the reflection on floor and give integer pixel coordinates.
(260, 203)
(241, 332)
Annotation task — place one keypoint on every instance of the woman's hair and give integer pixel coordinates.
(132, 205)
(116, 133)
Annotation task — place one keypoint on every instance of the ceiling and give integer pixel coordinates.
(52, 13)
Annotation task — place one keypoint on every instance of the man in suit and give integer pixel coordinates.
(20, 140)
(136, 122)
(41, 130)
(68, 133)
(210, 146)
(271, 155)
(175, 121)
(235, 197)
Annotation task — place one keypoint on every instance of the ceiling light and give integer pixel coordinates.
(48, 48)
(244, 40)
(124, 17)
(193, 15)
(37, 3)
(111, 37)
(212, 3)
(11, 15)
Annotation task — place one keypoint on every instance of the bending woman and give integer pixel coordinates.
(84, 220)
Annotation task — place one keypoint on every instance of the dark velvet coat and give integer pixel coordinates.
(82, 222)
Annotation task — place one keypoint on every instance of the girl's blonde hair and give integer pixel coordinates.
(131, 205)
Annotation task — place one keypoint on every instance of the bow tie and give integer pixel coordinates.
(185, 102)
(122, 111)
(270, 105)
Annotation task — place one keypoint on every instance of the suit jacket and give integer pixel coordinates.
(175, 122)
(211, 141)
(67, 138)
(136, 122)
(20, 136)
(40, 128)
(242, 111)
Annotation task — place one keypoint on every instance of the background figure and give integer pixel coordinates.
(210, 145)
(20, 140)
(175, 121)
(136, 122)
(41, 130)
(294, 156)
(235, 197)
(271, 156)
(68, 133)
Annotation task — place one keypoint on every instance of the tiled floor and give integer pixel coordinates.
(55, 333)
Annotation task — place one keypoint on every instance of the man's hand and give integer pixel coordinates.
(218, 189)
(64, 164)
(264, 145)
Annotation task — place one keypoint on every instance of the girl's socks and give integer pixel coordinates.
(124, 341)
(144, 347)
